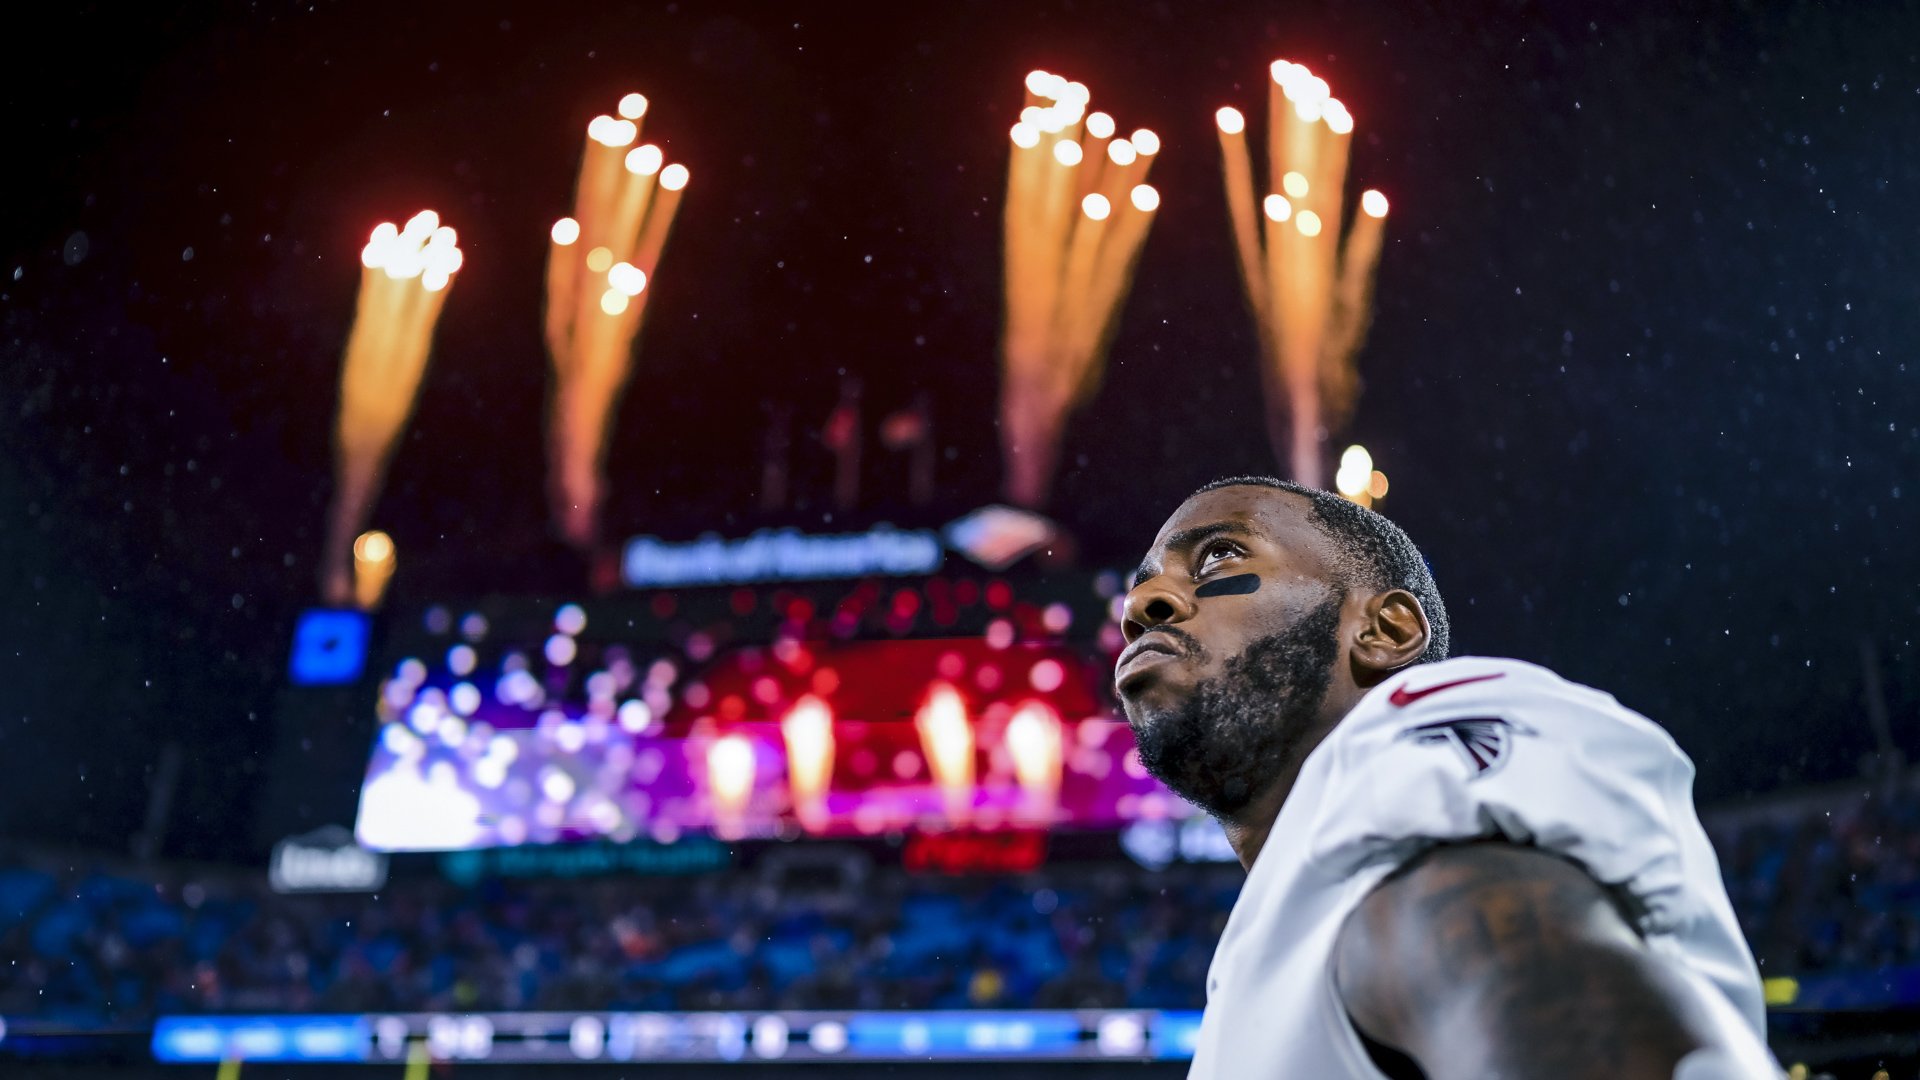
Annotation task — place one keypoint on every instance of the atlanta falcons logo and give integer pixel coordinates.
(1483, 742)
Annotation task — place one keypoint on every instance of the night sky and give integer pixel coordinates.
(1644, 370)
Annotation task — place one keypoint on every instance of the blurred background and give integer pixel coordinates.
(684, 635)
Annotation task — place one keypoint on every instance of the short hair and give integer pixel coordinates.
(1370, 550)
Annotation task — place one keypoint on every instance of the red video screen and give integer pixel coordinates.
(953, 735)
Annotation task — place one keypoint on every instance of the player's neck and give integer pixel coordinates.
(1247, 830)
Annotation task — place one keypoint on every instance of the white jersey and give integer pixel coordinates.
(1467, 748)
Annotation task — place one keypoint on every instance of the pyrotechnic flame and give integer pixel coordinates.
(380, 245)
(1356, 467)
(373, 546)
(407, 270)
(730, 776)
(946, 737)
(423, 247)
(599, 266)
(1357, 480)
(808, 731)
(644, 160)
(627, 278)
(1034, 742)
(1311, 297)
(373, 564)
(1339, 120)
(609, 132)
(440, 260)
(1061, 116)
(1066, 272)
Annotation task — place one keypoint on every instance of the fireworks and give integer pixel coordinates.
(1077, 213)
(403, 283)
(1311, 296)
(600, 265)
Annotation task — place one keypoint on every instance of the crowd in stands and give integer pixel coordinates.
(1824, 884)
(92, 946)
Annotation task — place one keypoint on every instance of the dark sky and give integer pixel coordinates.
(1643, 372)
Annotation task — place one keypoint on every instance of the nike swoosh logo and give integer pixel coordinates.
(1403, 697)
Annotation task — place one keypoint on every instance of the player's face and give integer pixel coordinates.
(1229, 567)
(1232, 631)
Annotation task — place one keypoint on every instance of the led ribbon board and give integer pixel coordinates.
(780, 555)
(597, 1038)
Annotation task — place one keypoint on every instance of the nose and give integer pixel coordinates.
(1154, 603)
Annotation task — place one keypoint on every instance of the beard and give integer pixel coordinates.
(1236, 732)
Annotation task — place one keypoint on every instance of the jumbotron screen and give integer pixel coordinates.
(871, 709)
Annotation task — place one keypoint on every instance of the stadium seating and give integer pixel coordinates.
(1824, 894)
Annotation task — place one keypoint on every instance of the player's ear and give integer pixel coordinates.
(1392, 635)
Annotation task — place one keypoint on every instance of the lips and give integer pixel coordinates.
(1150, 644)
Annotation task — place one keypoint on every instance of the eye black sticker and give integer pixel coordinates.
(1237, 585)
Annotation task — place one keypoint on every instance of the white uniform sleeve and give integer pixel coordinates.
(1505, 750)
